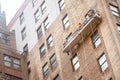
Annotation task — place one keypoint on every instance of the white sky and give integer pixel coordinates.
(10, 7)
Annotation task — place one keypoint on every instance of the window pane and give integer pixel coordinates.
(102, 59)
(96, 39)
(104, 66)
(21, 18)
(23, 33)
(50, 41)
(113, 8)
(76, 66)
(95, 36)
(25, 48)
(53, 61)
(8, 64)
(97, 43)
(43, 7)
(7, 58)
(66, 22)
(7, 61)
(42, 50)
(75, 63)
(16, 66)
(45, 70)
(46, 23)
(39, 32)
(37, 15)
(75, 59)
(16, 61)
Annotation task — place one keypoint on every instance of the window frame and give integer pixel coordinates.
(61, 4)
(96, 39)
(23, 33)
(4, 38)
(8, 61)
(34, 2)
(65, 21)
(16, 64)
(21, 17)
(103, 63)
(53, 61)
(12, 63)
(39, 32)
(75, 63)
(42, 50)
(25, 48)
(43, 7)
(68, 38)
(28, 67)
(45, 71)
(115, 10)
(46, 23)
(37, 15)
(49, 41)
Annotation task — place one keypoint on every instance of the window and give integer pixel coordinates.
(28, 67)
(23, 33)
(25, 48)
(46, 23)
(61, 4)
(12, 62)
(114, 10)
(21, 18)
(66, 22)
(118, 27)
(103, 62)
(75, 62)
(7, 61)
(57, 77)
(53, 61)
(37, 15)
(49, 42)
(16, 63)
(42, 50)
(39, 32)
(45, 70)
(43, 7)
(5, 38)
(34, 2)
(81, 78)
(69, 37)
(96, 39)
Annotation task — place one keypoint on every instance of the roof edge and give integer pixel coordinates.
(18, 13)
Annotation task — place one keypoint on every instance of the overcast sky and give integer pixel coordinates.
(10, 7)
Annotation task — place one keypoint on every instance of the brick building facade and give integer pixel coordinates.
(80, 43)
